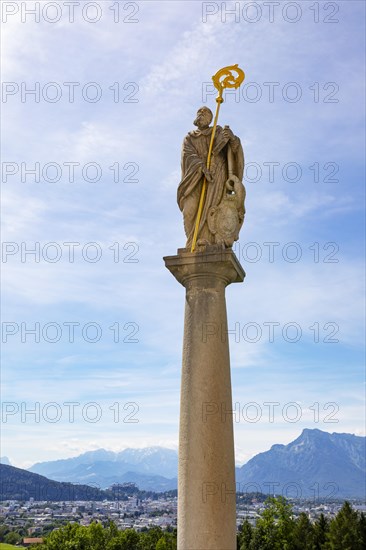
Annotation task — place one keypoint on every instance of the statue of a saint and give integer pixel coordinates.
(223, 210)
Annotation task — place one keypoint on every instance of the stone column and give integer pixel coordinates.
(206, 473)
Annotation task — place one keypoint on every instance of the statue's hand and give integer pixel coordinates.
(207, 174)
(228, 134)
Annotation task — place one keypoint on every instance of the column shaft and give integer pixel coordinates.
(206, 474)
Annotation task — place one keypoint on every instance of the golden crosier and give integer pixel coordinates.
(230, 81)
(224, 78)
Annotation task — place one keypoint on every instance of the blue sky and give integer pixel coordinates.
(162, 55)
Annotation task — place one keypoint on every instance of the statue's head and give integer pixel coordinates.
(203, 118)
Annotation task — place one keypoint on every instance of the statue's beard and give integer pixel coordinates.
(200, 123)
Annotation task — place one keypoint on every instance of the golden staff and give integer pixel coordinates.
(229, 81)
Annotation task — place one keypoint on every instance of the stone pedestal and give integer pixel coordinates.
(206, 474)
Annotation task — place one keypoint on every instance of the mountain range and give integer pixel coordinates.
(152, 468)
(18, 484)
(316, 464)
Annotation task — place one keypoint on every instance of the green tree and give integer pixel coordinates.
(125, 540)
(246, 535)
(3, 531)
(162, 544)
(275, 526)
(344, 531)
(12, 538)
(167, 542)
(71, 537)
(362, 528)
(263, 537)
(303, 536)
(321, 528)
(150, 538)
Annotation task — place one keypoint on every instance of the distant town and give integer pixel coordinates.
(133, 493)
(38, 519)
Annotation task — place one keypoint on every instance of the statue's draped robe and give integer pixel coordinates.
(194, 157)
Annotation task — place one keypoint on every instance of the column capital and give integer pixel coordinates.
(208, 269)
